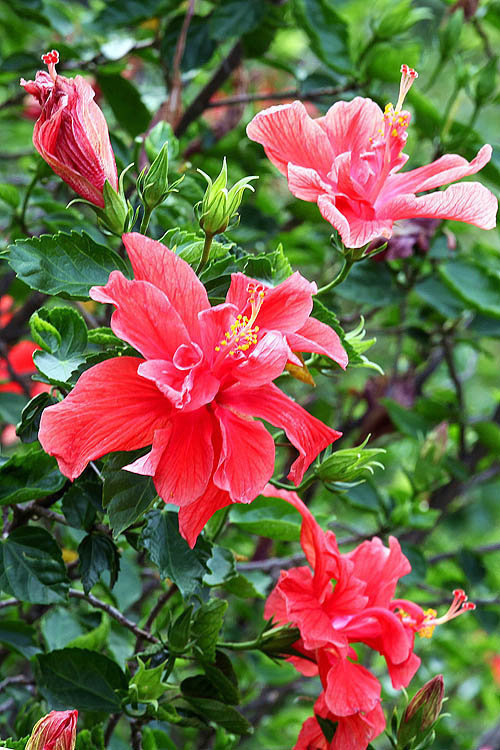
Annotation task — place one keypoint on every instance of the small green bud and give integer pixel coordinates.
(220, 205)
(278, 641)
(152, 184)
(115, 212)
(422, 712)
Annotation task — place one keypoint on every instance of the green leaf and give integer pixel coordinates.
(405, 420)
(170, 552)
(9, 194)
(222, 714)
(29, 474)
(206, 626)
(235, 18)
(489, 434)
(11, 407)
(439, 296)
(179, 631)
(81, 679)
(476, 285)
(62, 334)
(129, 12)
(79, 503)
(370, 283)
(126, 496)
(221, 566)
(97, 553)
(199, 46)
(126, 103)
(327, 32)
(268, 516)
(63, 264)
(29, 423)
(31, 566)
(19, 636)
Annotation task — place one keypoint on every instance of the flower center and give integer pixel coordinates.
(242, 333)
(425, 627)
(51, 59)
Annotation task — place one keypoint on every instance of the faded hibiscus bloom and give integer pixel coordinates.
(358, 608)
(71, 134)
(348, 162)
(206, 373)
(56, 731)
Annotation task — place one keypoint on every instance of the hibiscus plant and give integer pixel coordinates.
(250, 445)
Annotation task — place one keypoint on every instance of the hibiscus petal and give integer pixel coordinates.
(288, 134)
(193, 517)
(382, 631)
(402, 674)
(449, 168)
(182, 458)
(354, 231)
(349, 125)
(186, 390)
(315, 336)
(154, 262)
(265, 362)
(285, 307)
(356, 731)
(111, 408)
(305, 183)
(381, 568)
(247, 456)
(469, 201)
(305, 432)
(349, 687)
(311, 736)
(141, 315)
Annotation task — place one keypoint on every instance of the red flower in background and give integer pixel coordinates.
(206, 372)
(358, 608)
(71, 134)
(56, 731)
(348, 162)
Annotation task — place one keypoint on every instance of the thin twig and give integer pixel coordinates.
(162, 600)
(114, 613)
(483, 549)
(296, 93)
(174, 103)
(113, 721)
(17, 679)
(9, 603)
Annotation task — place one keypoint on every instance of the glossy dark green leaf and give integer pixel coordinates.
(270, 517)
(125, 101)
(206, 627)
(29, 423)
(29, 474)
(31, 566)
(222, 714)
(235, 18)
(126, 496)
(476, 285)
(19, 636)
(80, 678)
(80, 503)
(97, 553)
(11, 407)
(62, 334)
(170, 552)
(63, 264)
(129, 12)
(199, 46)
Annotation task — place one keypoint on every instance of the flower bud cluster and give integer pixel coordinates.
(220, 205)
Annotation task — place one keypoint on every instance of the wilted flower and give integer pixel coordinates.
(71, 134)
(56, 731)
(205, 373)
(348, 162)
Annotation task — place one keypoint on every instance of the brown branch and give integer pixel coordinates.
(114, 613)
(17, 679)
(198, 106)
(287, 94)
(9, 603)
(483, 549)
(174, 102)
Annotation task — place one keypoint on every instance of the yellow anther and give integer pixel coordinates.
(394, 133)
(217, 348)
(223, 343)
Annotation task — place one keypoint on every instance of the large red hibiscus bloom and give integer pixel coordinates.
(358, 608)
(205, 373)
(348, 162)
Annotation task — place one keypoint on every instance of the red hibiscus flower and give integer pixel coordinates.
(348, 162)
(358, 608)
(71, 134)
(206, 373)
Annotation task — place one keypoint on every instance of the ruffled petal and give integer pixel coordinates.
(380, 567)
(469, 201)
(355, 732)
(349, 125)
(193, 517)
(315, 336)
(285, 307)
(305, 183)
(247, 456)
(154, 262)
(111, 408)
(265, 362)
(449, 168)
(141, 315)
(355, 231)
(311, 736)
(288, 134)
(305, 432)
(349, 687)
(181, 459)
(185, 389)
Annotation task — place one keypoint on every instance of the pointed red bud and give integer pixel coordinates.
(56, 731)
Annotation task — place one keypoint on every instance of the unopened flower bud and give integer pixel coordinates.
(279, 641)
(422, 712)
(56, 731)
(153, 182)
(219, 204)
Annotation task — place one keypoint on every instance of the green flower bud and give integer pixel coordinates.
(220, 205)
(278, 641)
(422, 712)
(115, 212)
(152, 184)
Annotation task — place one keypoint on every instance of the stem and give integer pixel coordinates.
(114, 613)
(206, 252)
(146, 218)
(339, 278)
